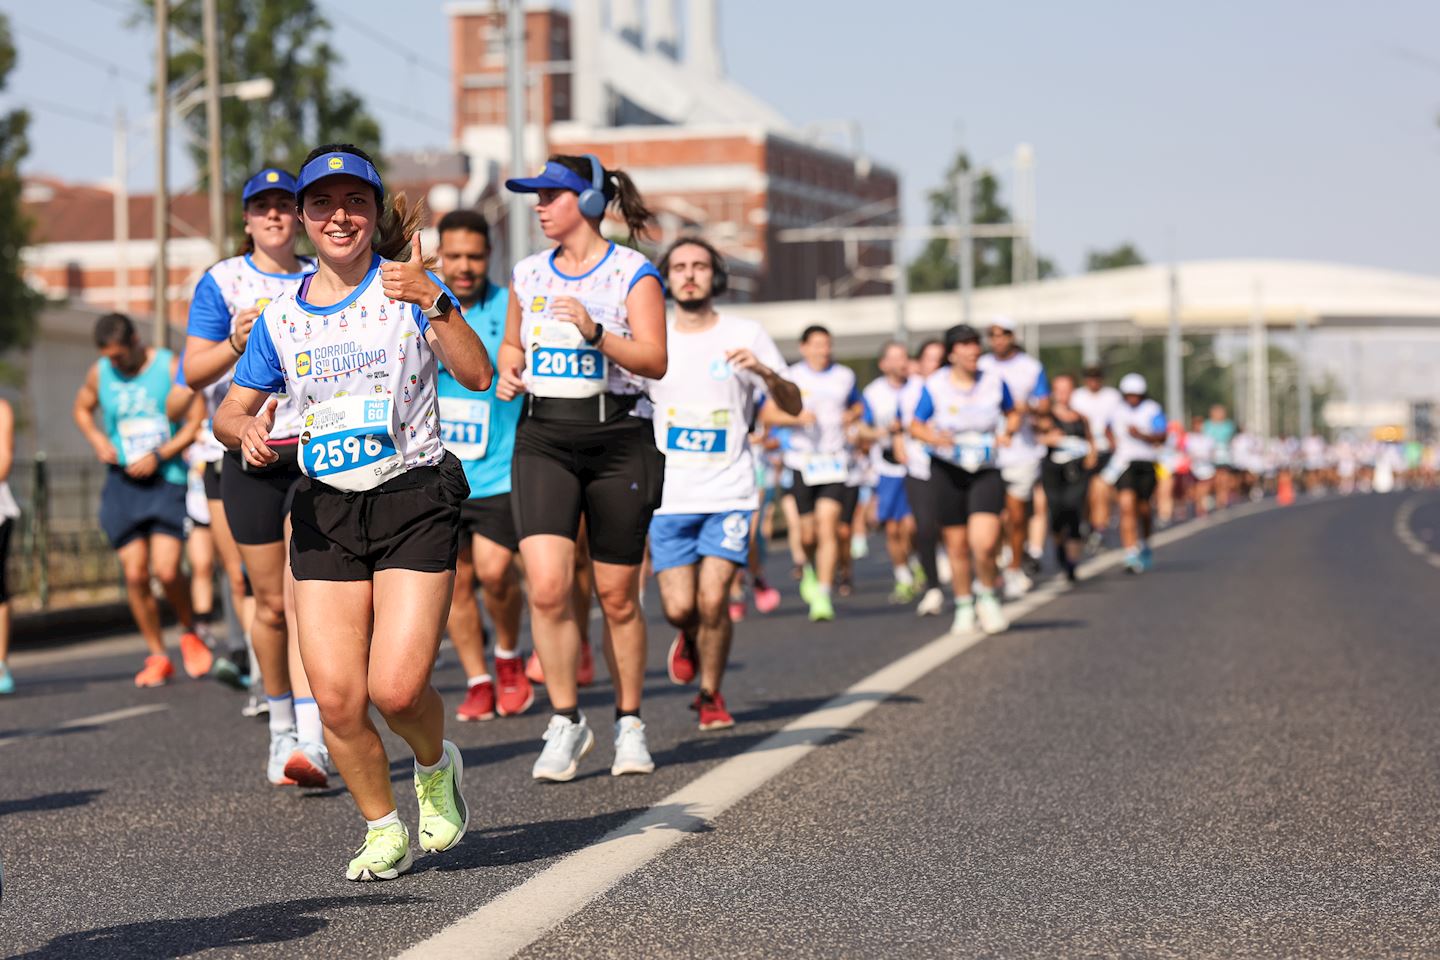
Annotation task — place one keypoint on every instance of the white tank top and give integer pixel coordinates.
(558, 363)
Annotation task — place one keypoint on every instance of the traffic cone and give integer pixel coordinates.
(1285, 490)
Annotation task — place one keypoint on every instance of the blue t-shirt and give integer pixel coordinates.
(489, 472)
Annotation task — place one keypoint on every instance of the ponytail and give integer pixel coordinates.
(620, 190)
(399, 222)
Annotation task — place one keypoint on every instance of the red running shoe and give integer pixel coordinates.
(585, 673)
(156, 671)
(479, 703)
(681, 660)
(196, 656)
(533, 671)
(515, 693)
(767, 598)
(713, 715)
(737, 611)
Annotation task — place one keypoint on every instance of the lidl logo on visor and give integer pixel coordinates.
(336, 163)
(272, 177)
(302, 364)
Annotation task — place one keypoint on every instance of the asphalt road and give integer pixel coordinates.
(1229, 756)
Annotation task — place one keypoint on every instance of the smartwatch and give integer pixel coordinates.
(599, 335)
(442, 305)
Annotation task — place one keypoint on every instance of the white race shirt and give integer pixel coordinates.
(1025, 379)
(364, 376)
(917, 457)
(972, 417)
(558, 362)
(1148, 417)
(703, 411)
(821, 452)
(882, 411)
(1096, 406)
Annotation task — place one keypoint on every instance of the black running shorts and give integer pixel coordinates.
(958, 494)
(1140, 477)
(612, 473)
(491, 518)
(211, 476)
(257, 500)
(805, 497)
(407, 523)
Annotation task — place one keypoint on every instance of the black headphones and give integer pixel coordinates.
(719, 270)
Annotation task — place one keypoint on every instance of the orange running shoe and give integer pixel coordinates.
(197, 657)
(156, 671)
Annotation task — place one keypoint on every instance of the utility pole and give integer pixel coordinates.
(162, 191)
(1174, 365)
(965, 242)
(212, 127)
(122, 213)
(518, 213)
(1302, 375)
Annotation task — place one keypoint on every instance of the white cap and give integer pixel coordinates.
(1004, 323)
(1133, 384)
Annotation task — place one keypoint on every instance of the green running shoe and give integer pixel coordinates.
(821, 608)
(385, 855)
(903, 593)
(443, 813)
(808, 583)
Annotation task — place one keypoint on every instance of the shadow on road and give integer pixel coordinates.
(249, 926)
(528, 842)
(49, 801)
(1044, 626)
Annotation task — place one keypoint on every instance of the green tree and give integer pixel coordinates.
(1125, 255)
(19, 305)
(289, 42)
(935, 268)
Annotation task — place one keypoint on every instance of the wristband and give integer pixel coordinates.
(231, 340)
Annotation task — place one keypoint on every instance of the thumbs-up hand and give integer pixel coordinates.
(254, 445)
(407, 280)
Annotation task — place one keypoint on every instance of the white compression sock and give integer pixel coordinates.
(479, 678)
(507, 654)
(440, 764)
(904, 576)
(282, 713)
(307, 721)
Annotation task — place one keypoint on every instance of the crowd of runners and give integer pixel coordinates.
(378, 455)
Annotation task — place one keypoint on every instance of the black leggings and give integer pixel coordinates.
(921, 494)
(1066, 486)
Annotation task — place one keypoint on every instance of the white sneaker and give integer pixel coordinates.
(942, 565)
(282, 744)
(309, 766)
(1016, 583)
(987, 611)
(565, 744)
(931, 604)
(859, 547)
(964, 622)
(631, 753)
(258, 706)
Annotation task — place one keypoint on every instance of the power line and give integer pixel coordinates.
(84, 56)
(415, 58)
(67, 111)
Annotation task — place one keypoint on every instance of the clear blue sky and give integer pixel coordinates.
(1234, 128)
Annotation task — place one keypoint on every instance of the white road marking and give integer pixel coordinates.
(1407, 536)
(517, 918)
(98, 720)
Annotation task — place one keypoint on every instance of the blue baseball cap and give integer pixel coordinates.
(555, 176)
(271, 178)
(339, 164)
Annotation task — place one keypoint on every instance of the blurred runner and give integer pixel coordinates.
(965, 416)
(1137, 429)
(480, 430)
(884, 401)
(920, 490)
(1069, 460)
(721, 369)
(1096, 401)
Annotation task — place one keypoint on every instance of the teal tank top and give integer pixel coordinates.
(132, 413)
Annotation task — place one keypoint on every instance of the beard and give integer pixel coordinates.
(692, 302)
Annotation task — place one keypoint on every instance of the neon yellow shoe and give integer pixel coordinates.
(443, 812)
(385, 855)
(808, 583)
(821, 608)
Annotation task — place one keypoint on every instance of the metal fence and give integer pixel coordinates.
(59, 547)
